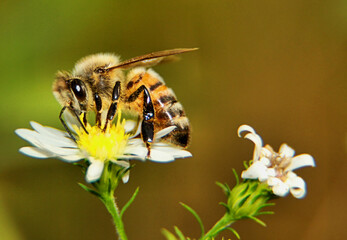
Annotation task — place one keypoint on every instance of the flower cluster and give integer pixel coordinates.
(276, 169)
(117, 144)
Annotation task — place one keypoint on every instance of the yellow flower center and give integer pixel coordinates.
(103, 145)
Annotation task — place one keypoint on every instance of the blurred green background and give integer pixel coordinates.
(279, 66)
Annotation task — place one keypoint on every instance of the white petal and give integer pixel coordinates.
(160, 156)
(47, 130)
(136, 141)
(125, 177)
(258, 142)
(36, 152)
(29, 136)
(131, 157)
(302, 160)
(138, 130)
(42, 141)
(61, 151)
(164, 132)
(136, 150)
(71, 158)
(255, 171)
(129, 126)
(94, 171)
(174, 151)
(278, 187)
(71, 120)
(57, 140)
(124, 164)
(245, 128)
(297, 186)
(286, 151)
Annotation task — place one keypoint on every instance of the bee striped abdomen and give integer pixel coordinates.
(171, 113)
(168, 111)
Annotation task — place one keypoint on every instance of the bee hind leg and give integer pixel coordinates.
(147, 126)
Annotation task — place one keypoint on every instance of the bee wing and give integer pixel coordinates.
(152, 59)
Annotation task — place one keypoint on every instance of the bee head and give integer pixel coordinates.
(71, 91)
(96, 67)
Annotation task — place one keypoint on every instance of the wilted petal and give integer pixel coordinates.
(271, 172)
(279, 188)
(265, 161)
(258, 142)
(35, 152)
(256, 171)
(297, 185)
(302, 160)
(245, 128)
(286, 151)
(94, 171)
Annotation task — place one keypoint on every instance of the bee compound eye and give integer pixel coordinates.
(77, 86)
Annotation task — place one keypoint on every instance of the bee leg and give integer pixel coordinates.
(113, 108)
(80, 122)
(147, 127)
(85, 119)
(98, 105)
(64, 124)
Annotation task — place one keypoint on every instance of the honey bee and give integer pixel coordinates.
(103, 84)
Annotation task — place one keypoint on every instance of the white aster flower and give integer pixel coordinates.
(276, 169)
(117, 145)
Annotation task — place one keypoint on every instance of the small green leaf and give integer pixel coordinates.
(179, 233)
(266, 213)
(236, 177)
(196, 217)
(129, 202)
(268, 205)
(223, 187)
(234, 232)
(245, 164)
(168, 234)
(226, 206)
(89, 190)
(257, 220)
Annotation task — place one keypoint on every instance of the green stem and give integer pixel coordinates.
(221, 225)
(112, 208)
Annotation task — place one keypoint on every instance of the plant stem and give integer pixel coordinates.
(221, 225)
(112, 208)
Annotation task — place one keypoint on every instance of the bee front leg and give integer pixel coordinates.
(147, 127)
(113, 108)
(64, 124)
(78, 118)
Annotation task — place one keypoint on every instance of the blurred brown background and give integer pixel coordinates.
(279, 66)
